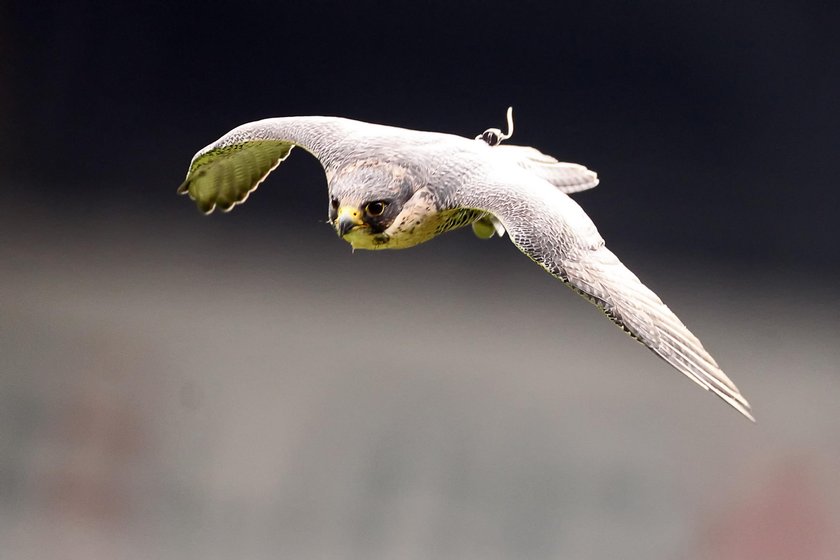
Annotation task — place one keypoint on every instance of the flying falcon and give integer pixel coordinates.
(393, 188)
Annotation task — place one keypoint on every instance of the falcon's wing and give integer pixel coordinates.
(556, 233)
(224, 173)
(568, 177)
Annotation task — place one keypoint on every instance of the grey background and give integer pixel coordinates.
(178, 386)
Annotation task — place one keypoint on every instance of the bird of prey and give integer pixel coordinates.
(393, 188)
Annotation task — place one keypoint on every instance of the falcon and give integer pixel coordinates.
(393, 188)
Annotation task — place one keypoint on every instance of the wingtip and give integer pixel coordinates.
(747, 414)
(747, 411)
(739, 403)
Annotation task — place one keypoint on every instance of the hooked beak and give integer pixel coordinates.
(348, 218)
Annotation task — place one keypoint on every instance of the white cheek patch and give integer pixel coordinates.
(417, 212)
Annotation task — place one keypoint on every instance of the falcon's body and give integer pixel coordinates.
(392, 188)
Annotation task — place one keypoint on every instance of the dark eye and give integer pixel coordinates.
(375, 208)
(334, 203)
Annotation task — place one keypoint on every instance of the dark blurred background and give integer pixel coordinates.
(242, 385)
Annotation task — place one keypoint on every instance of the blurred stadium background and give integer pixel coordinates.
(244, 386)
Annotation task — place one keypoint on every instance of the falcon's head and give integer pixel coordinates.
(370, 201)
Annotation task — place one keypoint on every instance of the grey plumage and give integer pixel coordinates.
(394, 188)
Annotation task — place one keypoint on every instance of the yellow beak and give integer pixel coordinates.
(348, 218)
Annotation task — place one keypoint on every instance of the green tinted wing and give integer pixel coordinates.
(224, 177)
